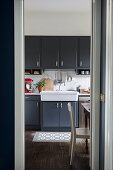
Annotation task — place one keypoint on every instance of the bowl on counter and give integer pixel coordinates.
(87, 72)
(82, 72)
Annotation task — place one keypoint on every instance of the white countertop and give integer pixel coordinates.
(58, 92)
(83, 94)
(59, 95)
(33, 93)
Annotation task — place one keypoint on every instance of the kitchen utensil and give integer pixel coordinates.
(55, 81)
(78, 88)
(64, 77)
(59, 76)
(69, 78)
(28, 85)
(49, 84)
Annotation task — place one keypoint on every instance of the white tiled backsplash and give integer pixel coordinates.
(82, 80)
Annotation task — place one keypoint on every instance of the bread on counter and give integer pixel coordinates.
(84, 91)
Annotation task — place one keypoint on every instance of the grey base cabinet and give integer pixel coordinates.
(56, 117)
(65, 116)
(32, 112)
(50, 115)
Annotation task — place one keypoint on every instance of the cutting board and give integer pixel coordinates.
(49, 84)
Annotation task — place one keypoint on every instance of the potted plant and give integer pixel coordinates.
(40, 85)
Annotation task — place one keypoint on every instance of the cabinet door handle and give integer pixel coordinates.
(80, 63)
(26, 97)
(38, 64)
(56, 63)
(57, 105)
(37, 104)
(76, 59)
(62, 63)
(61, 105)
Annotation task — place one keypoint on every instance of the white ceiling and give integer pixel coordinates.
(58, 5)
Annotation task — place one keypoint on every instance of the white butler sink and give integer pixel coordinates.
(59, 96)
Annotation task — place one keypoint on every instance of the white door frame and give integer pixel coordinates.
(95, 83)
(109, 88)
(19, 85)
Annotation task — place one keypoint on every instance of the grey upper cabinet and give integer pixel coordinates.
(83, 52)
(50, 53)
(32, 111)
(57, 52)
(68, 52)
(50, 115)
(32, 52)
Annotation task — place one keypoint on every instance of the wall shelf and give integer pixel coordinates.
(33, 72)
(79, 71)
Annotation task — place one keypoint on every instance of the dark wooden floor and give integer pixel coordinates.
(53, 156)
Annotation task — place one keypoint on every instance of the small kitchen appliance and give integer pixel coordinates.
(28, 85)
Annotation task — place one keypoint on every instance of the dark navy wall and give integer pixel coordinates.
(102, 88)
(7, 85)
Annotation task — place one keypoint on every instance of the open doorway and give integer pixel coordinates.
(78, 71)
(57, 56)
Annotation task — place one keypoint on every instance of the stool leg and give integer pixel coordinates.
(86, 145)
(85, 121)
(70, 146)
(72, 151)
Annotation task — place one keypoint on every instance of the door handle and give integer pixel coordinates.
(37, 104)
(56, 63)
(26, 97)
(76, 59)
(38, 64)
(62, 63)
(61, 105)
(57, 105)
(102, 98)
(80, 63)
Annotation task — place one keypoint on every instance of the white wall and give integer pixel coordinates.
(57, 23)
(82, 80)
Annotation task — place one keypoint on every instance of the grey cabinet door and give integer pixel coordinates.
(65, 115)
(68, 49)
(50, 117)
(83, 52)
(50, 52)
(32, 112)
(32, 52)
